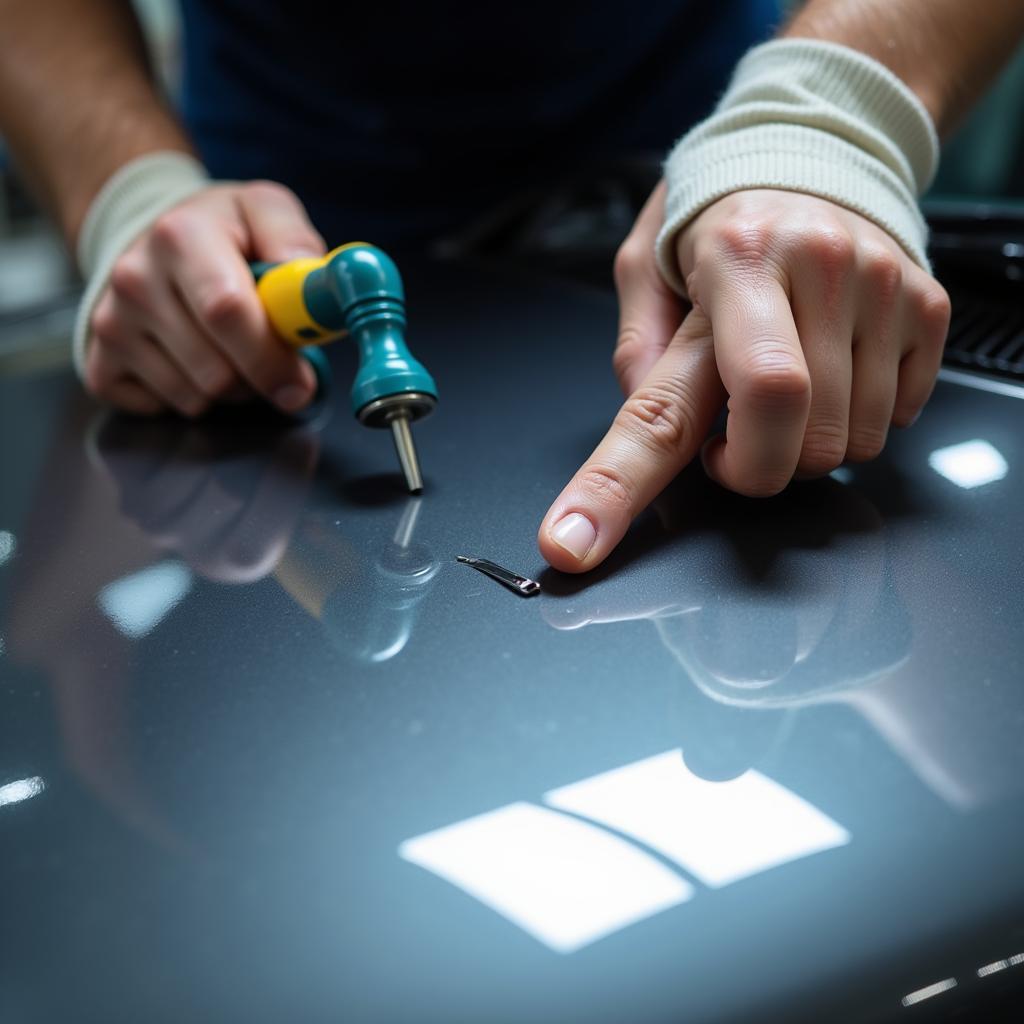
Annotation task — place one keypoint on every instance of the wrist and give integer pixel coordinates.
(128, 203)
(813, 117)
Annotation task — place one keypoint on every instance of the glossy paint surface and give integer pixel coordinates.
(267, 752)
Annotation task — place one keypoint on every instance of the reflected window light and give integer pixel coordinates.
(926, 993)
(565, 882)
(136, 604)
(23, 789)
(7, 545)
(998, 965)
(718, 831)
(970, 464)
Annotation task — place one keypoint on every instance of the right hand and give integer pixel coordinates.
(180, 325)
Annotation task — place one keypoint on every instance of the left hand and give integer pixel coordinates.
(808, 318)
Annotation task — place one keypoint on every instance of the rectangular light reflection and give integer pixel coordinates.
(999, 965)
(931, 990)
(719, 831)
(565, 882)
(969, 464)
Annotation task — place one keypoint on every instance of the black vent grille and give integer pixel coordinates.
(986, 333)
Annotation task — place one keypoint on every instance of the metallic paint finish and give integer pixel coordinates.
(243, 682)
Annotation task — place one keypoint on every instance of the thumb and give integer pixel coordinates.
(649, 311)
(277, 223)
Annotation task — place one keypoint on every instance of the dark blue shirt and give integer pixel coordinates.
(409, 118)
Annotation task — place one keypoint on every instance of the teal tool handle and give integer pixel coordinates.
(356, 290)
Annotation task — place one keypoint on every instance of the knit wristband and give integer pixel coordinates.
(808, 116)
(131, 199)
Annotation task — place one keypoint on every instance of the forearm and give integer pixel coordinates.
(946, 51)
(77, 100)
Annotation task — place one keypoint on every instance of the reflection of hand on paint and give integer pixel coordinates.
(225, 501)
(765, 611)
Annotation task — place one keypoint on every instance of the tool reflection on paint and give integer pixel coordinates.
(319, 570)
(244, 517)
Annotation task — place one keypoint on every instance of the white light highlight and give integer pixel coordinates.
(136, 604)
(23, 789)
(926, 993)
(970, 464)
(999, 965)
(563, 881)
(1017, 959)
(7, 545)
(719, 831)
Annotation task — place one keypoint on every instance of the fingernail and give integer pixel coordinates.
(576, 533)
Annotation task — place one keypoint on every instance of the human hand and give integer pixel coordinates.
(180, 325)
(811, 320)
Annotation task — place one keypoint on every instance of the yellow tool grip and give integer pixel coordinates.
(281, 291)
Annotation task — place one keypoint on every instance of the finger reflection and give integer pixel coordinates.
(766, 606)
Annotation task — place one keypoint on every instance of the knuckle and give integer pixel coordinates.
(216, 380)
(628, 262)
(824, 449)
(264, 190)
(128, 280)
(904, 415)
(935, 312)
(628, 349)
(883, 275)
(659, 416)
(106, 324)
(764, 487)
(866, 442)
(832, 249)
(606, 486)
(773, 379)
(98, 376)
(222, 309)
(746, 241)
(172, 230)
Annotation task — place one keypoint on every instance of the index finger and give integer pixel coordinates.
(655, 434)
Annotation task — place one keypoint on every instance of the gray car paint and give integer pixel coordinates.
(241, 669)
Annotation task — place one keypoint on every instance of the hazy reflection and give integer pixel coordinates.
(809, 599)
(229, 505)
(23, 789)
(137, 603)
(322, 572)
(223, 497)
(766, 606)
(7, 545)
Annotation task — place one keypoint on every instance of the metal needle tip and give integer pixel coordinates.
(402, 434)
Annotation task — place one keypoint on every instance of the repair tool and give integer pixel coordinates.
(520, 584)
(355, 290)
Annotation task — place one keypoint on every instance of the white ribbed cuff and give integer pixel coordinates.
(131, 199)
(808, 116)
